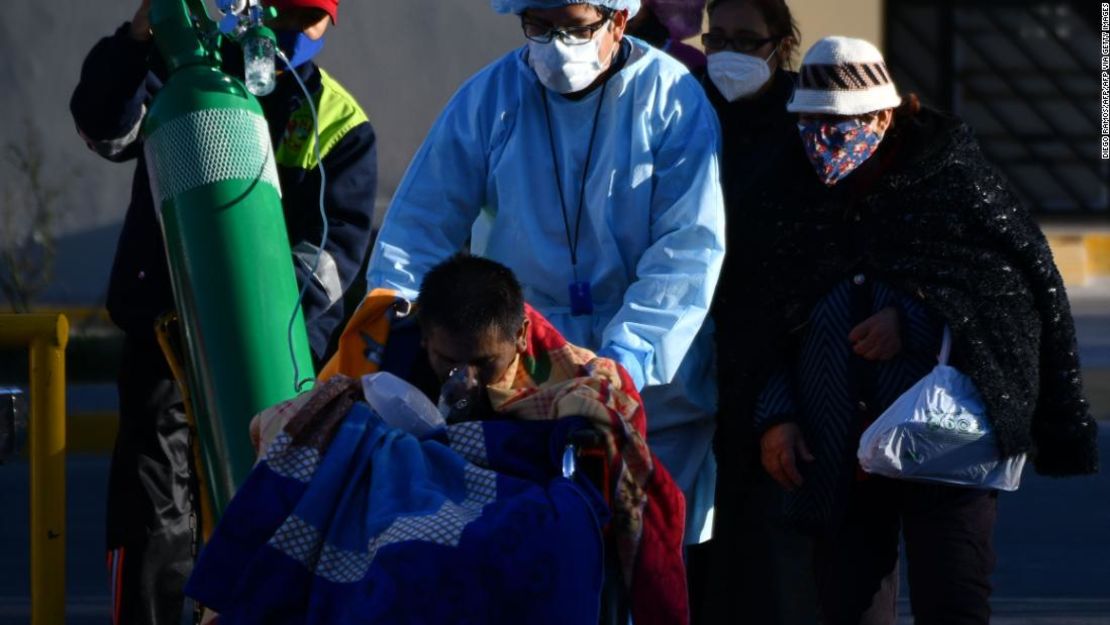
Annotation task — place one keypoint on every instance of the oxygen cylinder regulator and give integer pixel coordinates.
(243, 21)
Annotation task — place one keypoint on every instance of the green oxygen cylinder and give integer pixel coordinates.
(215, 183)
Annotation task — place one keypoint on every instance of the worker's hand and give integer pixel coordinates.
(140, 24)
(879, 337)
(780, 447)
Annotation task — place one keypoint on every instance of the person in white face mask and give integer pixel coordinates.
(571, 48)
(587, 162)
(748, 43)
(750, 47)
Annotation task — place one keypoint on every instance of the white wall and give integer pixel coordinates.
(850, 18)
(402, 59)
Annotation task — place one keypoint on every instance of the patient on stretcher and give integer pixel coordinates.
(345, 515)
(468, 342)
(467, 332)
(473, 329)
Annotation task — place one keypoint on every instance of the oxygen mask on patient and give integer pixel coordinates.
(400, 404)
(459, 394)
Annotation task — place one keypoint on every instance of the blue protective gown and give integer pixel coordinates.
(651, 240)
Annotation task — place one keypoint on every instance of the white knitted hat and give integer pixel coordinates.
(843, 76)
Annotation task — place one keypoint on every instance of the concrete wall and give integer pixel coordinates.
(851, 18)
(401, 58)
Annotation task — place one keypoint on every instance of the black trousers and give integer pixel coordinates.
(755, 571)
(948, 533)
(150, 522)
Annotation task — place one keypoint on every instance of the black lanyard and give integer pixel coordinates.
(572, 243)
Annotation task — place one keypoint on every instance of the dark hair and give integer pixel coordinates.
(910, 106)
(470, 294)
(780, 23)
(647, 26)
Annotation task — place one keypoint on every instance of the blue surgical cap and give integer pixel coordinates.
(520, 6)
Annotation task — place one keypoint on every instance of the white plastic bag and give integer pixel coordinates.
(400, 404)
(937, 431)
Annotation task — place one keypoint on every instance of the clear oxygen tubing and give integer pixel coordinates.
(300, 383)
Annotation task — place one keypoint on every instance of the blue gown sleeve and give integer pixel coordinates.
(665, 306)
(439, 198)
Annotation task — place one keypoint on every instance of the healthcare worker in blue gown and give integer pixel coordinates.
(588, 163)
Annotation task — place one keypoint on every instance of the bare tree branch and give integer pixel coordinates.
(29, 213)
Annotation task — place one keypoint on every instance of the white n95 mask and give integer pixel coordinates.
(737, 75)
(566, 69)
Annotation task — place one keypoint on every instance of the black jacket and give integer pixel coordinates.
(760, 152)
(120, 77)
(930, 217)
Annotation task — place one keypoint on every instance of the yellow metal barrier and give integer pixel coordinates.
(46, 336)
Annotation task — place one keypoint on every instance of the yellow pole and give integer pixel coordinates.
(46, 336)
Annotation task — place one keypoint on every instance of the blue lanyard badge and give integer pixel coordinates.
(581, 298)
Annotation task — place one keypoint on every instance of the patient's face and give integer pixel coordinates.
(487, 354)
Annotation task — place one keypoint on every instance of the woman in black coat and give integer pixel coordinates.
(750, 46)
(896, 227)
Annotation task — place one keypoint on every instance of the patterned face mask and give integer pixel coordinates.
(838, 148)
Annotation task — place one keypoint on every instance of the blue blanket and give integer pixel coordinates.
(474, 525)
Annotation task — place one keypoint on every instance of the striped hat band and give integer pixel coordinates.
(844, 76)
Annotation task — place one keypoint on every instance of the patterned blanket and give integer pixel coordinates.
(343, 516)
(345, 520)
(553, 380)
